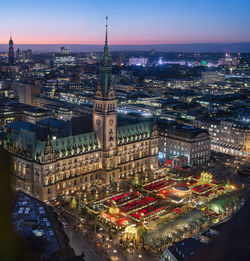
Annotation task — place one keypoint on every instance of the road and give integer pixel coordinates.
(79, 244)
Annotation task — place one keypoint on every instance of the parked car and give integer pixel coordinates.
(51, 233)
(20, 211)
(41, 210)
(27, 210)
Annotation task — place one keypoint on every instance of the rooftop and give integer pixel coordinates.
(186, 131)
(186, 248)
(32, 221)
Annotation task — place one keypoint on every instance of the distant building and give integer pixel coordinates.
(64, 58)
(234, 139)
(34, 114)
(6, 89)
(138, 61)
(23, 55)
(212, 77)
(181, 140)
(228, 136)
(61, 110)
(26, 92)
(11, 51)
(64, 50)
(228, 60)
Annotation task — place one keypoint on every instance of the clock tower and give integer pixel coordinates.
(105, 115)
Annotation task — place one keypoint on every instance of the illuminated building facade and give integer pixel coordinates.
(228, 136)
(187, 141)
(138, 61)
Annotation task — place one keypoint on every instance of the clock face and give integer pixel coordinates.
(111, 122)
(98, 122)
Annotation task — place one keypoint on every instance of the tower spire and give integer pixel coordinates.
(106, 47)
(106, 36)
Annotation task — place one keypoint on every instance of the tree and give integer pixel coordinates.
(73, 203)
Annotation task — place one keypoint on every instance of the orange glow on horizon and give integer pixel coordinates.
(119, 42)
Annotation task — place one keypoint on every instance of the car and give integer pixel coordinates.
(20, 211)
(27, 210)
(48, 224)
(51, 233)
(45, 220)
(41, 210)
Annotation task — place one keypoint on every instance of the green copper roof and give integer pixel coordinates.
(26, 140)
(134, 132)
(82, 143)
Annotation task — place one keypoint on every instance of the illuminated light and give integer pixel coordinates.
(114, 210)
(38, 233)
(131, 229)
(113, 220)
(204, 63)
(160, 155)
(160, 62)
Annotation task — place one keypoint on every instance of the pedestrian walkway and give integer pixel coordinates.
(79, 244)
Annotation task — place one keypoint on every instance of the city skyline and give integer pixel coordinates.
(132, 151)
(164, 23)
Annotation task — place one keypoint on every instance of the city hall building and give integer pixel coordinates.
(55, 157)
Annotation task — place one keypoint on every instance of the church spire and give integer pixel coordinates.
(11, 51)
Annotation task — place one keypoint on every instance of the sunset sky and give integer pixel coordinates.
(131, 21)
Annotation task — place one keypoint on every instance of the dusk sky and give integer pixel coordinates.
(131, 21)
